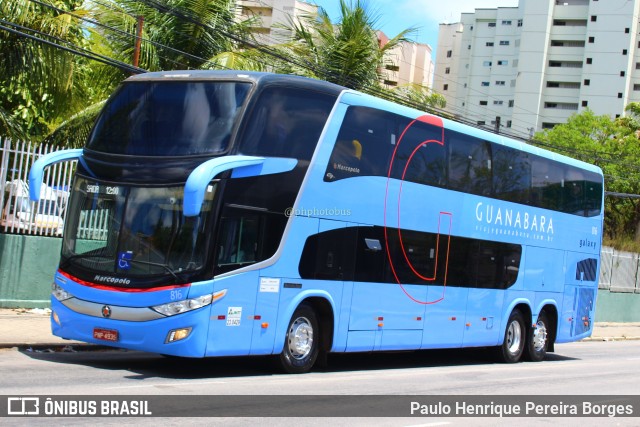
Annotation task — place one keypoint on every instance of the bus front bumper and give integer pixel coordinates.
(180, 335)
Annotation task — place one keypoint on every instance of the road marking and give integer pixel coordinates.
(442, 423)
(167, 385)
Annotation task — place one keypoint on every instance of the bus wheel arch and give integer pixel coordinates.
(309, 336)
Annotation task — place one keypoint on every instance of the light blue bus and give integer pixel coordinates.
(233, 213)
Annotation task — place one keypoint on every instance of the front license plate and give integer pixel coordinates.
(105, 334)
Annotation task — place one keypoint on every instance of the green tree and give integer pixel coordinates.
(39, 83)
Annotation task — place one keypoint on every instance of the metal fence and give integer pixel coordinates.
(619, 271)
(19, 214)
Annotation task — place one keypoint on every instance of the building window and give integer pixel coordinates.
(468, 46)
(487, 63)
(492, 24)
(594, 18)
(506, 22)
(592, 39)
(587, 82)
(519, 22)
(626, 30)
(511, 102)
(503, 62)
(445, 87)
(636, 87)
(621, 73)
(481, 122)
(585, 103)
(489, 44)
(484, 84)
(589, 60)
(449, 53)
(508, 123)
(624, 51)
(471, 28)
(504, 42)
(619, 94)
(500, 82)
(637, 65)
(483, 102)
(465, 85)
(447, 70)
(498, 102)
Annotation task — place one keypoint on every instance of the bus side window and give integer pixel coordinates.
(286, 122)
(511, 174)
(547, 181)
(329, 255)
(573, 200)
(469, 163)
(367, 136)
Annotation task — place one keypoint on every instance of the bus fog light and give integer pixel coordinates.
(178, 334)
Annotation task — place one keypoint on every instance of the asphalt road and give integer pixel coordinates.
(583, 368)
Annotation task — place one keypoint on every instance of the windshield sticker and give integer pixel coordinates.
(268, 284)
(124, 259)
(234, 314)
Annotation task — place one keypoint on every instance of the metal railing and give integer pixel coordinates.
(19, 214)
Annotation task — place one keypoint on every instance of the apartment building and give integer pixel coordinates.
(408, 63)
(531, 67)
(270, 14)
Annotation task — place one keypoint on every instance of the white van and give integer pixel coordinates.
(17, 214)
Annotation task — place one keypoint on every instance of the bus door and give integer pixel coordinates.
(384, 314)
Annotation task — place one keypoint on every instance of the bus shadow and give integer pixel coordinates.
(147, 365)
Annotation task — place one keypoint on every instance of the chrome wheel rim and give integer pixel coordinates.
(514, 337)
(540, 336)
(300, 338)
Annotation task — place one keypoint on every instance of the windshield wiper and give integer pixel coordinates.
(156, 264)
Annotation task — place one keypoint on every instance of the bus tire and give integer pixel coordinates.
(538, 339)
(301, 344)
(514, 339)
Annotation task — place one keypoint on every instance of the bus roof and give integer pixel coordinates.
(250, 76)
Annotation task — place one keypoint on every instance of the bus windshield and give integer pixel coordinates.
(134, 231)
(169, 118)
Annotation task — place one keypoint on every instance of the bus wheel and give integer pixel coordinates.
(514, 339)
(538, 340)
(301, 342)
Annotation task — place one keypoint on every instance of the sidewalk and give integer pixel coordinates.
(31, 327)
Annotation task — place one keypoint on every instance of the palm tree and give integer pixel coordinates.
(347, 53)
(38, 82)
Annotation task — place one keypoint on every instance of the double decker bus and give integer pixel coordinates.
(233, 213)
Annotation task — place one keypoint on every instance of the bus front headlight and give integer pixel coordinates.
(179, 307)
(59, 293)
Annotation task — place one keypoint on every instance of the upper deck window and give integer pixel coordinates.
(169, 118)
(286, 122)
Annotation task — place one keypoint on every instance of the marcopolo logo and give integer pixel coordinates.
(112, 280)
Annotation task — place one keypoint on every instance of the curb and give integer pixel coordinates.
(56, 347)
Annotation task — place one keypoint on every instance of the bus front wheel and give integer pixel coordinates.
(301, 342)
(538, 339)
(514, 338)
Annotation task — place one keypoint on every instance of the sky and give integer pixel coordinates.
(425, 15)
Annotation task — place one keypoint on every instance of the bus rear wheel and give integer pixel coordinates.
(538, 339)
(301, 342)
(514, 339)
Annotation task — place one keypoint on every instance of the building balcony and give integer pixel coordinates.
(570, 11)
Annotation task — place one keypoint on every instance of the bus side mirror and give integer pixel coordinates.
(243, 167)
(37, 170)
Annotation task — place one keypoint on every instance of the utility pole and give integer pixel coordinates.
(136, 50)
(497, 124)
